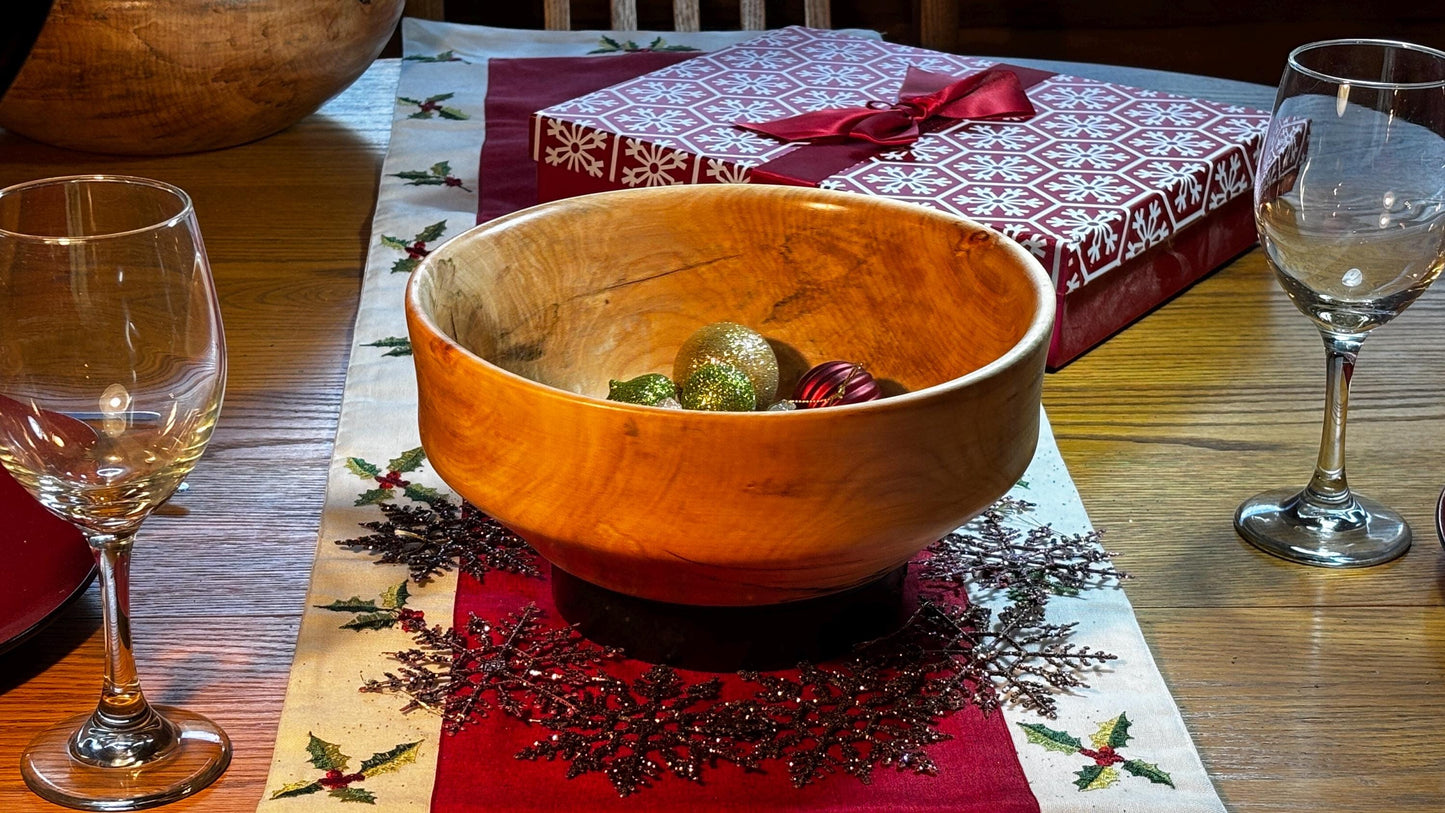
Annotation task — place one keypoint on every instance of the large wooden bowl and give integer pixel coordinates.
(157, 77)
(517, 325)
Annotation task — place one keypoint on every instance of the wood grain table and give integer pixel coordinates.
(1305, 689)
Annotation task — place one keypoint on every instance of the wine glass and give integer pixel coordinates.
(112, 367)
(1349, 199)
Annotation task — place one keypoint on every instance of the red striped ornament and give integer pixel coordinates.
(833, 383)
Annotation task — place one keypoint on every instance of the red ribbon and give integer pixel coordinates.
(990, 94)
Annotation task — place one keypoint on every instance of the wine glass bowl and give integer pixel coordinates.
(1350, 205)
(112, 369)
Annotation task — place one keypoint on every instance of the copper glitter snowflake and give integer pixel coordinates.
(440, 537)
(515, 665)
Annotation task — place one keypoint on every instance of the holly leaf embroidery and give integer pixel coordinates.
(355, 604)
(388, 761)
(422, 493)
(409, 460)
(430, 233)
(1113, 733)
(405, 265)
(1040, 734)
(361, 468)
(394, 242)
(326, 755)
(1096, 777)
(394, 598)
(301, 788)
(417, 176)
(371, 621)
(396, 345)
(441, 169)
(1149, 771)
(361, 795)
(373, 496)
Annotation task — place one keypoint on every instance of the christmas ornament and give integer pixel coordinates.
(835, 382)
(783, 406)
(719, 388)
(649, 390)
(736, 346)
(669, 403)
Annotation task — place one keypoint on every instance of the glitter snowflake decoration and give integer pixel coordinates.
(441, 537)
(1031, 566)
(515, 665)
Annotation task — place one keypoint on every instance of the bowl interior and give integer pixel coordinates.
(577, 292)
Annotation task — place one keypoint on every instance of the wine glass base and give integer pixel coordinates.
(200, 755)
(1280, 523)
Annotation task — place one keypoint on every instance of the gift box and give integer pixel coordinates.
(1126, 196)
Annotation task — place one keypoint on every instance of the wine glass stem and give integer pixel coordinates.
(1328, 488)
(124, 730)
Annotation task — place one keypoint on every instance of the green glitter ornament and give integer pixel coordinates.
(649, 390)
(719, 388)
(736, 346)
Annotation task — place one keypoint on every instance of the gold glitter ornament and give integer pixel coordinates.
(719, 388)
(648, 389)
(736, 346)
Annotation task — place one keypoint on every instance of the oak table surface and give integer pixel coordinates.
(1305, 689)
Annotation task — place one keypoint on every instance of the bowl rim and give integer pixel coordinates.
(1039, 332)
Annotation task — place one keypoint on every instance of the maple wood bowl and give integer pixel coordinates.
(158, 77)
(517, 326)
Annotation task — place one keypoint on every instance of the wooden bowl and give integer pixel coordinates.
(157, 77)
(518, 324)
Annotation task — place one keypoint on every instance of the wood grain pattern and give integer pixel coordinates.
(157, 78)
(672, 505)
(1305, 690)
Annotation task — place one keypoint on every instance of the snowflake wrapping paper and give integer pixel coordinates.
(1125, 195)
(1117, 744)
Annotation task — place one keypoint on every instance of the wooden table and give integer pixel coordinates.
(1305, 689)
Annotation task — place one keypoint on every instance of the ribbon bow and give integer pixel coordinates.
(990, 94)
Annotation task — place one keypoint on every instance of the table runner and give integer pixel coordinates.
(1116, 743)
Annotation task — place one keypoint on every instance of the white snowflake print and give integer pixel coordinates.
(1008, 201)
(896, 180)
(1074, 155)
(655, 164)
(824, 99)
(664, 93)
(1077, 188)
(1158, 143)
(690, 69)
(1087, 97)
(898, 66)
(733, 109)
(1230, 181)
(838, 49)
(780, 37)
(840, 75)
(1149, 227)
(655, 120)
(927, 149)
(835, 185)
(591, 103)
(575, 144)
(985, 167)
(757, 60)
(1074, 125)
(732, 141)
(1032, 242)
(998, 137)
(1168, 114)
(723, 172)
(1186, 181)
(752, 84)
(1242, 129)
(1093, 228)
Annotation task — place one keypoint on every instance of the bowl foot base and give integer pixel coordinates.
(726, 639)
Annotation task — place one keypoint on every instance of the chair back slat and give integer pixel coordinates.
(624, 15)
(557, 14)
(752, 15)
(685, 16)
(817, 14)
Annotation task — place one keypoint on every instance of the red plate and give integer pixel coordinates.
(47, 564)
